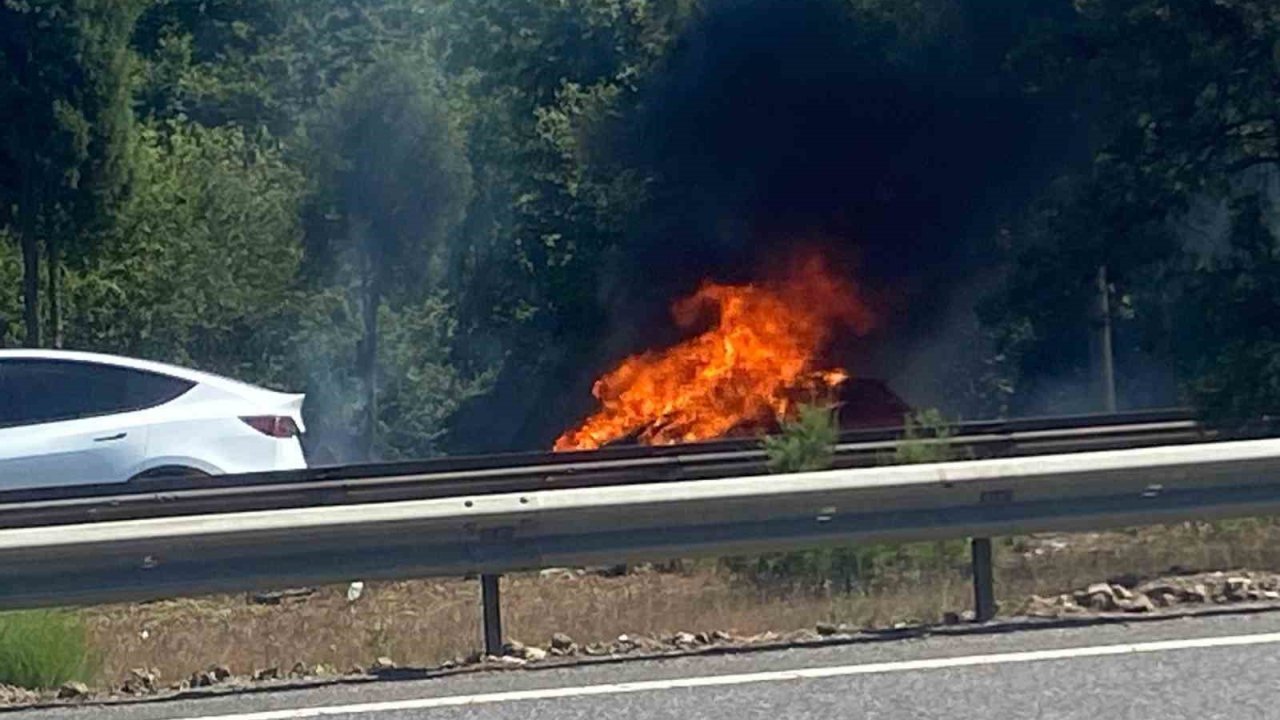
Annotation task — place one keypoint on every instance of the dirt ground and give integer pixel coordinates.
(426, 622)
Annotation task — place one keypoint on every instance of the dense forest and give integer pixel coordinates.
(443, 218)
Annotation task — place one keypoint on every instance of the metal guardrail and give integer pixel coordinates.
(519, 473)
(498, 532)
(103, 543)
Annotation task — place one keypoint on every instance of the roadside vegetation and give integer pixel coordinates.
(427, 622)
(45, 648)
(804, 443)
(190, 185)
(807, 442)
(924, 440)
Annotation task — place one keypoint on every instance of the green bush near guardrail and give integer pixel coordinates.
(44, 649)
(807, 443)
(924, 440)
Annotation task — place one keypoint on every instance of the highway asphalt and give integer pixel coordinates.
(1202, 668)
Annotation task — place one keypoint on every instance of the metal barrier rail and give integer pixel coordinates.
(496, 475)
(498, 532)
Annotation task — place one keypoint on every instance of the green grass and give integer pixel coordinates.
(44, 648)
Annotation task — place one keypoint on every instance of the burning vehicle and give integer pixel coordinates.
(753, 355)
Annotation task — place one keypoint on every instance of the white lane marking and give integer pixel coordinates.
(748, 678)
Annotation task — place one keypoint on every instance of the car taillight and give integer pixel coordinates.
(280, 426)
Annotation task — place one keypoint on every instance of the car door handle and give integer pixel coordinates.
(109, 438)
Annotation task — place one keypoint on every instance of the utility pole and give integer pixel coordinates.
(1106, 374)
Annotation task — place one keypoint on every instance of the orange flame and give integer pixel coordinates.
(745, 369)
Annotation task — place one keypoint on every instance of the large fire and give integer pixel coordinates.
(748, 368)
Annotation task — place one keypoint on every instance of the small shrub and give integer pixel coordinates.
(924, 439)
(806, 442)
(43, 649)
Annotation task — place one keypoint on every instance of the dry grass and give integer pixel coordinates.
(421, 619)
(426, 622)
(1054, 563)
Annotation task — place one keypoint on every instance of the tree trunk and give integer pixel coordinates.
(27, 229)
(1105, 372)
(369, 368)
(30, 280)
(367, 360)
(54, 269)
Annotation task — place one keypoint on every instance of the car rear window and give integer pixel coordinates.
(37, 391)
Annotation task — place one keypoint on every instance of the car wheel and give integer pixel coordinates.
(166, 474)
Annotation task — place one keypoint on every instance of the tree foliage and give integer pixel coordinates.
(391, 183)
(1181, 98)
(65, 130)
(457, 194)
(806, 442)
(925, 439)
(1229, 337)
(10, 291)
(202, 258)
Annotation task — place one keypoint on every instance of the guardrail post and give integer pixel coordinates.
(984, 589)
(492, 614)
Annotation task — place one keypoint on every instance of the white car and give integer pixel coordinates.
(70, 418)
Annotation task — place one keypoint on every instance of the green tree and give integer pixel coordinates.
(1228, 334)
(10, 291)
(549, 92)
(1182, 99)
(541, 90)
(422, 386)
(267, 63)
(206, 61)
(392, 182)
(66, 127)
(202, 265)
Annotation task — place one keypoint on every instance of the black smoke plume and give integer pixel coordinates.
(777, 123)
